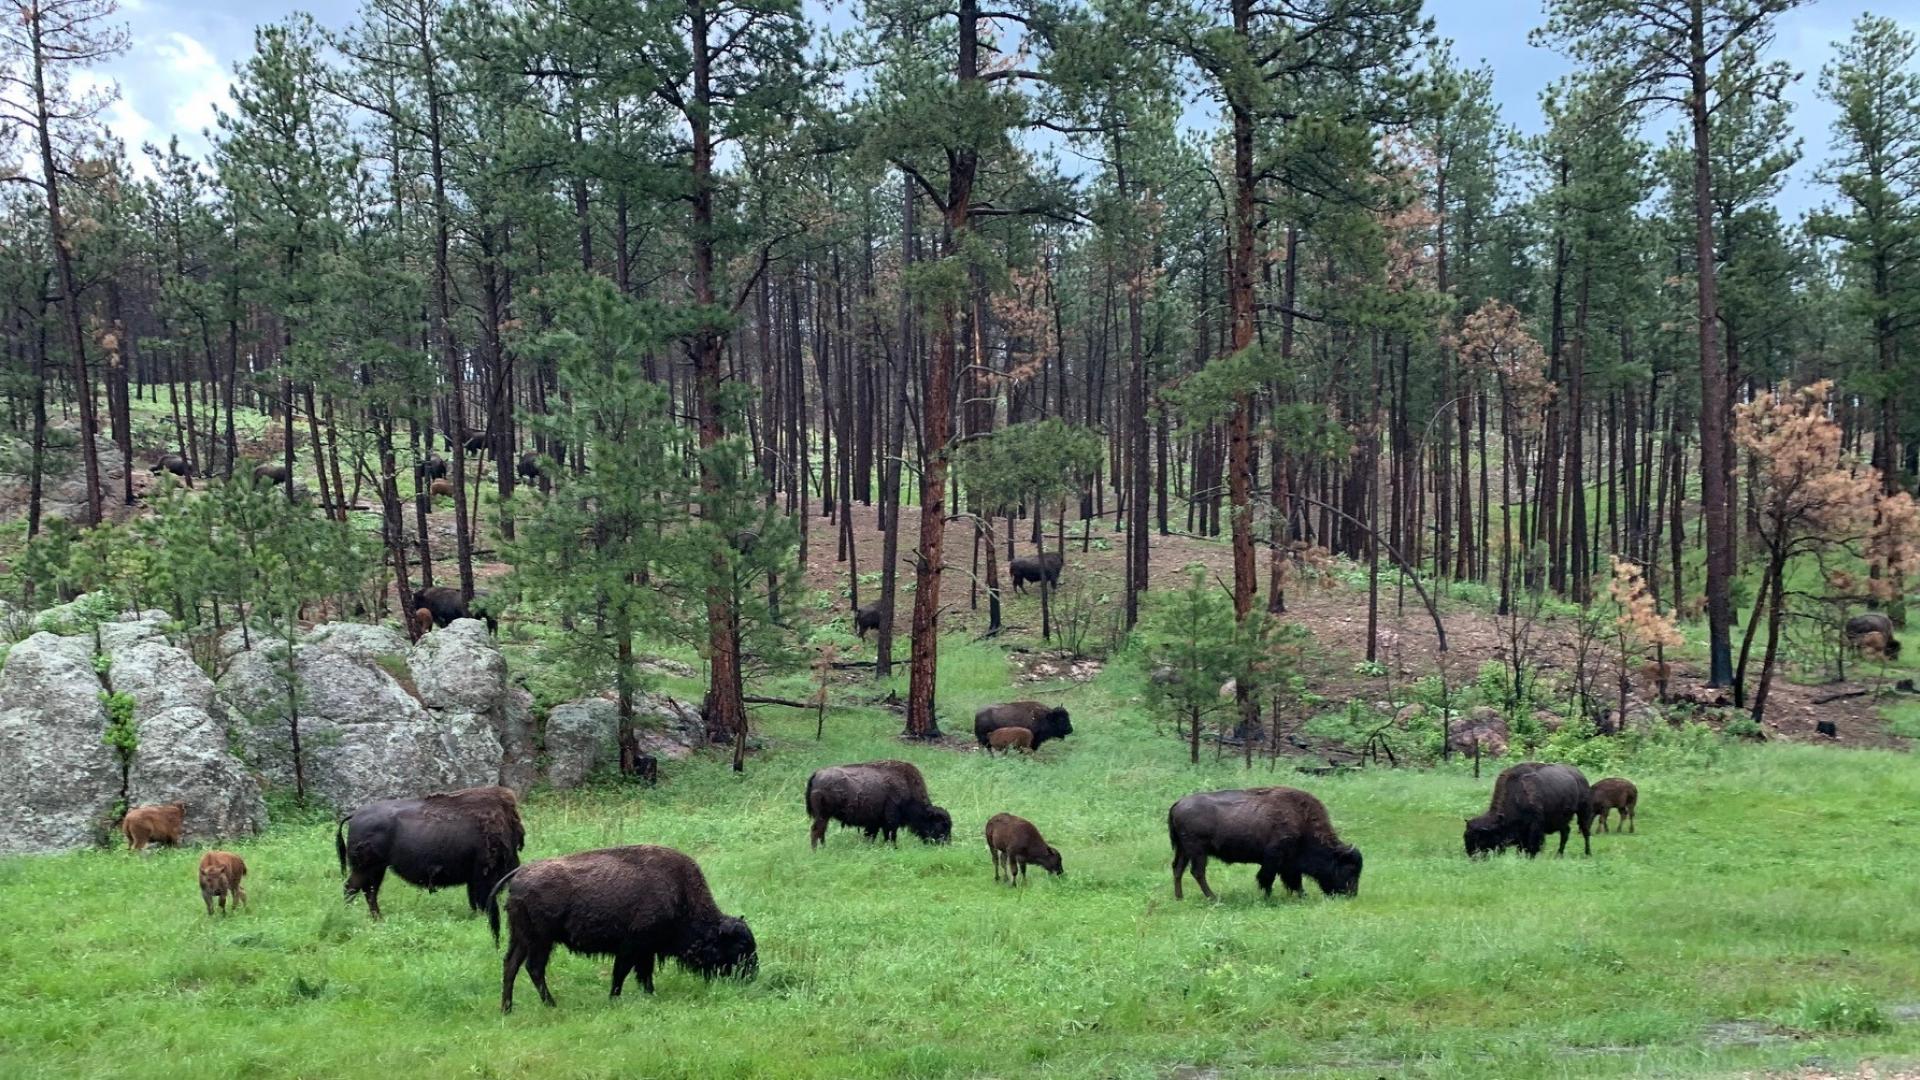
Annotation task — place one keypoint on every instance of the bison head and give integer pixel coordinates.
(1484, 836)
(1054, 725)
(1335, 869)
(930, 823)
(722, 948)
(1051, 861)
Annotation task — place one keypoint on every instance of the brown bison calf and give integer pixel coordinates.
(220, 874)
(1010, 738)
(441, 488)
(1014, 842)
(636, 904)
(1610, 794)
(145, 825)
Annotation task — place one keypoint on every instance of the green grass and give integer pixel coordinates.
(1764, 915)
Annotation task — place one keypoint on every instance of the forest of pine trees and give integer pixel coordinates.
(660, 290)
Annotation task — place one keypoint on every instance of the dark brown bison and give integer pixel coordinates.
(1014, 842)
(879, 798)
(1045, 721)
(471, 837)
(1531, 800)
(161, 824)
(1010, 738)
(434, 468)
(867, 618)
(1873, 622)
(529, 467)
(447, 605)
(636, 904)
(475, 443)
(1285, 831)
(1035, 568)
(271, 472)
(220, 874)
(1611, 794)
(175, 464)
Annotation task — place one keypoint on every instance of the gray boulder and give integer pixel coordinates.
(360, 640)
(581, 736)
(184, 756)
(1483, 727)
(459, 668)
(58, 777)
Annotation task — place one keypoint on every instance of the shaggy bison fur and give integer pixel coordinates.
(271, 472)
(879, 798)
(470, 837)
(220, 874)
(434, 468)
(1036, 568)
(529, 467)
(1285, 831)
(1531, 800)
(1045, 721)
(1014, 842)
(1611, 794)
(175, 464)
(1010, 738)
(161, 824)
(636, 904)
(867, 618)
(441, 488)
(1873, 622)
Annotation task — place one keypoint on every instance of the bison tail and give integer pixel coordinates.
(340, 844)
(493, 903)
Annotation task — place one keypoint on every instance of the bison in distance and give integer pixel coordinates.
(470, 837)
(879, 798)
(636, 904)
(1014, 842)
(1530, 801)
(1285, 831)
(1036, 568)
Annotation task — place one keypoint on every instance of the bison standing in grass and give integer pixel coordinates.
(1014, 842)
(471, 837)
(446, 605)
(867, 618)
(220, 874)
(161, 824)
(636, 904)
(1531, 800)
(1861, 627)
(1612, 794)
(1285, 831)
(879, 798)
(1036, 568)
(1045, 721)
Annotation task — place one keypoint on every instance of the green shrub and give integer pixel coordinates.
(1843, 1009)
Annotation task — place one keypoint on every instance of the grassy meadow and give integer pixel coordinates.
(1763, 917)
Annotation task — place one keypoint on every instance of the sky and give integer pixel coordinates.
(183, 54)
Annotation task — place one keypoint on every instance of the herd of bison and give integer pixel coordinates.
(644, 903)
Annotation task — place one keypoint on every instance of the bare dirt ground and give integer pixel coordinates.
(1333, 614)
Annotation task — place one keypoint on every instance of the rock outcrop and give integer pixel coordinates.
(58, 778)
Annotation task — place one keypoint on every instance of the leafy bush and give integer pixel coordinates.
(121, 733)
(1844, 1009)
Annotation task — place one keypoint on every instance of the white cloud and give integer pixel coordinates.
(198, 82)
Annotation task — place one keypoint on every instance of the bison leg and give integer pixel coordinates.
(621, 966)
(1586, 834)
(537, 958)
(818, 835)
(1179, 868)
(643, 967)
(207, 896)
(1601, 819)
(1629, 815)
(1265, 880)
(510, 970)
(239, 895)
(992, 851)
(1200, 875)
(1566, 831)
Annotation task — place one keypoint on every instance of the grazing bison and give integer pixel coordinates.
(1014, 842)
(1873, 622)
(220, 874)
(1010, 738)
(867, 618)
(879, 798)
(1284, 830)
(529, 467)
(1045, 721)
(636, 904)
(1827, 728)
(175, 464)
(161, 824)
(434, 468)
(1611, 794)
(446, 605)
(440, 488)
(271, 472)
(1035, 568)
(471, 837)
(1531, 800)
